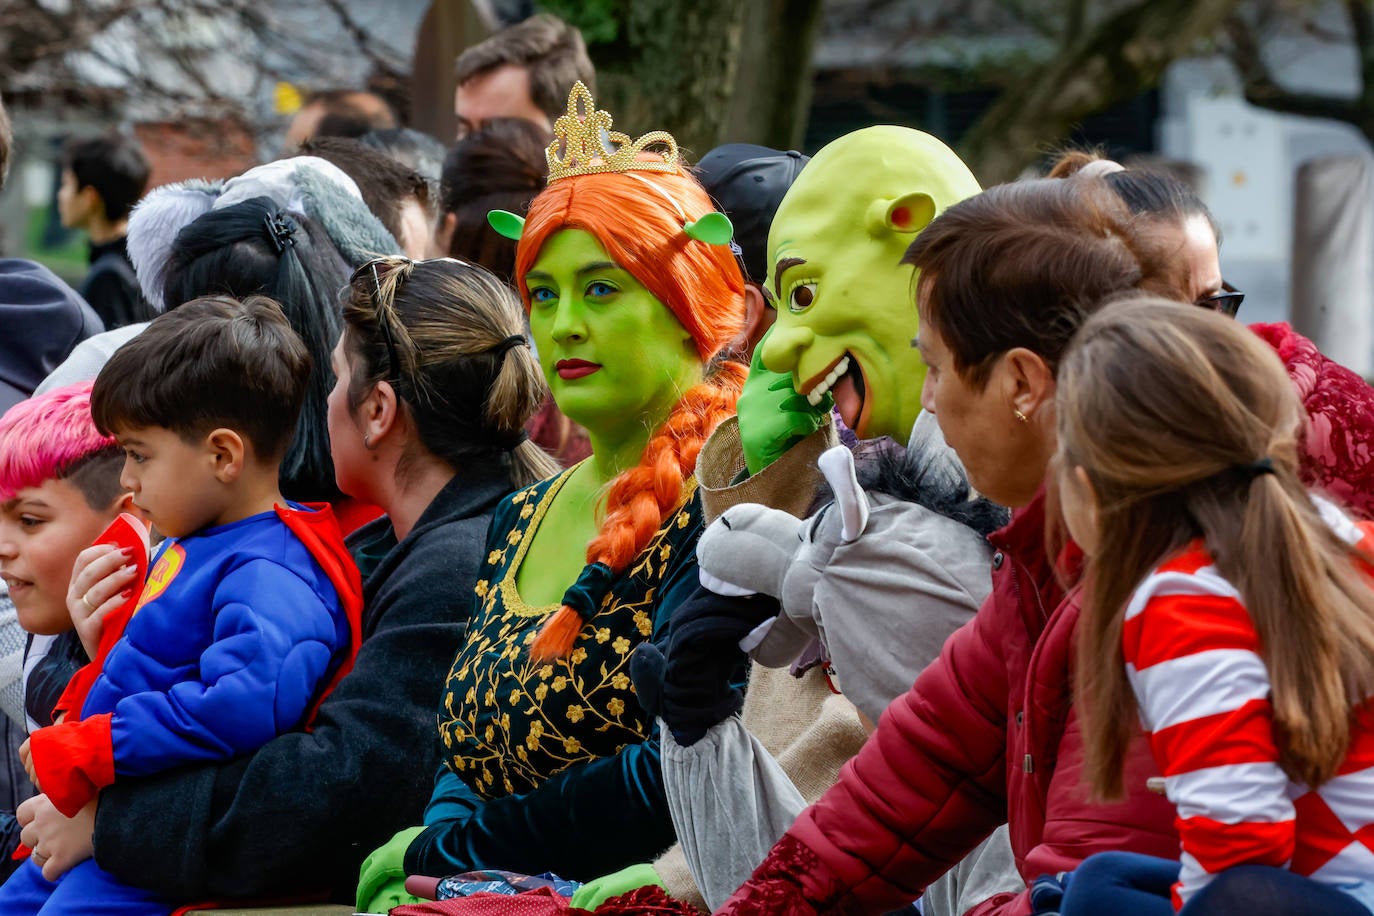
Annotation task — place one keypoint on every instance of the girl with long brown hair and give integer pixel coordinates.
(1227, 611)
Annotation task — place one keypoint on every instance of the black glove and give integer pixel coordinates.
(698, 684)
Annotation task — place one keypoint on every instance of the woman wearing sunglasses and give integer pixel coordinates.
(1338, 447)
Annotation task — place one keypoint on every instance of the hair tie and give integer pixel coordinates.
(281, 230)
(1258, 468)
(1101, 168)
(586, 594)
(515, 340)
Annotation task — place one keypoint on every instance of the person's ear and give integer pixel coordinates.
(379, 414)
(758, 318)
(1086, 489)
(227, 452)
(443, 235)
(1029, 382)
(91, 201)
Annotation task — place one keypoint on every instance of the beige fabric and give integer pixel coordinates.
(318, 909)
(789, 484)
(807, 728)
(677, 878)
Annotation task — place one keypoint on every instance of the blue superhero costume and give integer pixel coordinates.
(239, 633)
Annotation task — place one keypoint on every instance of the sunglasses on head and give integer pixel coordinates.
(373, 271)
(1227, 301)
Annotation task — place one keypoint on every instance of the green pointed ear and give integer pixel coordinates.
(908, 213)
(506, 223)
(714, 229)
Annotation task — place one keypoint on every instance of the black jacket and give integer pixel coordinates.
(111, 287)
(302, 813)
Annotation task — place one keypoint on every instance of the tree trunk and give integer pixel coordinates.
(773, 83)
(1115, 60)
(1263, 91)
(709, 71)
(673, 68)
(447, 29)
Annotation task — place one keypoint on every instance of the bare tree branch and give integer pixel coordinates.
(176, 61)
(1075, 21)
(1121, 56)
(1264, 91)
(1362, 27)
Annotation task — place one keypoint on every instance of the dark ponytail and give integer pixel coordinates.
(256, 248)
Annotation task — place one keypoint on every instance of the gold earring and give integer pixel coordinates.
(1020, 417)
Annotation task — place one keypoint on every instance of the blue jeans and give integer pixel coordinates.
(1125, 882)
(86, 889)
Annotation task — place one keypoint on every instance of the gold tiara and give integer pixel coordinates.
(584, 144)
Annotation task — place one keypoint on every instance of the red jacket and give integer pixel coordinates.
(986, 735)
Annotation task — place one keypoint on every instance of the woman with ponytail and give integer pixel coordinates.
(632, 293)
(258, 247)
(1227, 610)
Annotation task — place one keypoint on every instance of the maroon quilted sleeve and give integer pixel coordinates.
(1338, 448)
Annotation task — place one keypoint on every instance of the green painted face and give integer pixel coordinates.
(616, 359)
(841, 291)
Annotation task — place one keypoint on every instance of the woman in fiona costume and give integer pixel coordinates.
(550, 764)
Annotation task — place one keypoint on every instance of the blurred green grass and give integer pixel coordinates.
(68, 260)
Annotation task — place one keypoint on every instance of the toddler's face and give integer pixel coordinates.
(41, 531)
(171, 480)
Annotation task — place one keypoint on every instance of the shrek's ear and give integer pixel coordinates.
(908, 213)
(714, 229)
(506, 223)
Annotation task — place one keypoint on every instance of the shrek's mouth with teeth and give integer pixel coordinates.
(844, 380)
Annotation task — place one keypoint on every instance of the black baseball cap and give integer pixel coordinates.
(748, 183)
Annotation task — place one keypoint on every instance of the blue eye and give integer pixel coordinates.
(541, 294)
(599, 290)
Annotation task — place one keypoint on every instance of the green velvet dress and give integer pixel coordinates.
(509, 723)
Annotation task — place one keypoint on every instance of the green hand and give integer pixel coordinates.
(382, 879)
(596, 892)
(773, 417)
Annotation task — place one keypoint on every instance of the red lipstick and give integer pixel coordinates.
(574, 368)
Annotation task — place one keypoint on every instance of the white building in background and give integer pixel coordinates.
(1250, 156)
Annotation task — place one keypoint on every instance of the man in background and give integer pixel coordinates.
(102, 178)
(338, 113)
(525, 71)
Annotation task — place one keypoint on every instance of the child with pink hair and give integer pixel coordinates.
(59, 488)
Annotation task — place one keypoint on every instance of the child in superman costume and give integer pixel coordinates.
(252, 610)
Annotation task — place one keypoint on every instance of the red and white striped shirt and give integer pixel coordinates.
(1193, 659)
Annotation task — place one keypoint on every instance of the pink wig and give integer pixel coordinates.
(43, 437)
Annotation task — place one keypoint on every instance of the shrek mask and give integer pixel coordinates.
(617, 360)
(846, 314)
